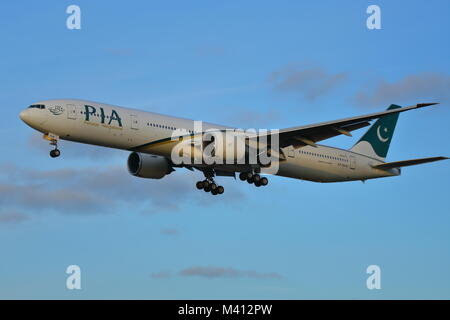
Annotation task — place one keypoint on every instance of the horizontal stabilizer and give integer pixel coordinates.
(405, 163)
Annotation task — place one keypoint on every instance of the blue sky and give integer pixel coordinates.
(259, 64)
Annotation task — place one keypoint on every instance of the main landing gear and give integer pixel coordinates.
(53, 142)
(254, 178)
(209, 185)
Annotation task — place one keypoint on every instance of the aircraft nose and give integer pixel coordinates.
(25, 115)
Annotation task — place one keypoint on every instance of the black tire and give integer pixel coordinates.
(199, 185)
(243, 176)
(250, 180)
(205, 184)
(55, 153)
(207, 189)
(256, 178)
(213, 186)
(220, 189)
(264, 181)
(258, 184)
(214, 192)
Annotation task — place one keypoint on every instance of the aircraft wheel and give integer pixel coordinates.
(214, 191)
(264, 181)
(243, 176)
(250, 180)
(220, 189)
(207, 189)
(205, 184)
(199, 185)
(55, 153)
(256, 178)
(213, 186)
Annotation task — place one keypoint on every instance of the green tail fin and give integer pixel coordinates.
(375, 142)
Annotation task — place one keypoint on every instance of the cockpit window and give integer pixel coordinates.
(37, 106)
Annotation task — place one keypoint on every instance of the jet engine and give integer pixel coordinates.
(148, 166)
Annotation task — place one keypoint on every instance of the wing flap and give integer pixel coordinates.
(297, 139)
(405, 163)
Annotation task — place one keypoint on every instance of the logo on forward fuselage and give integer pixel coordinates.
(90, 111)
(56, 110)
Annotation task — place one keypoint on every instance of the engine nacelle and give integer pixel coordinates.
(148, 166)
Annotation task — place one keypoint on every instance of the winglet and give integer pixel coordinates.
(421, 105)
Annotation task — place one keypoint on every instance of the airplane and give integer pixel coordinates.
(150, 139)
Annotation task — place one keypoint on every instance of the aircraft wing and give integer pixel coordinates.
(310, 134)
(405, 163)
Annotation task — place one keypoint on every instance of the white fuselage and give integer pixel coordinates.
(146, 132)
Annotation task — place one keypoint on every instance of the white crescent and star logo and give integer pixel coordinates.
(385, 130)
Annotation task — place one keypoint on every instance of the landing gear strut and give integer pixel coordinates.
(53, 142)
(209, 185)
(254, 178)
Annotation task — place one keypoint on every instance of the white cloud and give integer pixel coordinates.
(309, 82)
(226, 272)
(415, 88)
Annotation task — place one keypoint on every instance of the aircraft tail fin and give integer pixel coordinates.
(375, 142)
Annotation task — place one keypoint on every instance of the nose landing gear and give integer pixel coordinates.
(53, 142)
(55, 153)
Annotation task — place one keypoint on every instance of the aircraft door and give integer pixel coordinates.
(352, 162)
(134, 122)
(72, 111)
(291, 152)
